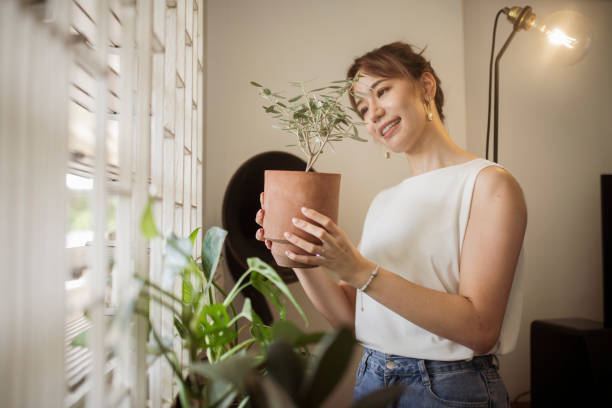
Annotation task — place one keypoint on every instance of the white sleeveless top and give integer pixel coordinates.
(415, 229)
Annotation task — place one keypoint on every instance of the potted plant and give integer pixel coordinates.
(317, 118)
(206, 320)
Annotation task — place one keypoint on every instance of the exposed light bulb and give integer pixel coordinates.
(568, 34)
(558, 37)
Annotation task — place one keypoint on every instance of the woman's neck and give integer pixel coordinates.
(435, 150)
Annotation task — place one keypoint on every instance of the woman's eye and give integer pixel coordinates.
(363, 111)
(382, 91)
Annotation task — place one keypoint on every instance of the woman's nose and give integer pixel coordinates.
(377, 112)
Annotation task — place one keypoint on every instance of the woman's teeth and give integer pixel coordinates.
(389, 126)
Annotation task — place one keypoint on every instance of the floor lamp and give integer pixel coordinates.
(569, 37)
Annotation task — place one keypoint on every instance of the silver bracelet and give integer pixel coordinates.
(373, 274)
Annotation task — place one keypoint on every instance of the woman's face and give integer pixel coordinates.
(392, 109)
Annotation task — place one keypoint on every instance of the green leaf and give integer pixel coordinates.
(325, 371)
(194, 235)
(212, 246)
(256, 84)
(286, 331)
(356, 135)
(216, 324)
(285, 367)
(263, 268)
(233, 370)
(147, 223)
(187, 291)
(180, 328)
(380, 398)
(264, 392)
(184, 396)
(267, 91)
(81, 339)
(271, 292)
(260, 331)
(295, 98)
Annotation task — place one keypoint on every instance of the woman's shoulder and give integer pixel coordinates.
(496, 183)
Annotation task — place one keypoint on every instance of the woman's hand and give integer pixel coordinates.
(259, 217)
(336, 252)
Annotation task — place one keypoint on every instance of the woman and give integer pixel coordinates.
(431, 289)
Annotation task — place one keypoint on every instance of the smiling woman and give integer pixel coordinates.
(432, 290)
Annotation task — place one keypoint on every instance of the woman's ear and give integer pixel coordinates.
(428, 82)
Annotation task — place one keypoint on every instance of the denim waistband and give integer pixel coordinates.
(409, 365)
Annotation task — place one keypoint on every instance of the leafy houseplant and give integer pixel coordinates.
(210, 328)
(317, 118)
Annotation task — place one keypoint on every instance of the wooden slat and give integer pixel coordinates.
(199, 197)
(179, 138)
(187, 195)
(170, 71)
(159, 22)
(201, 40)
(98, 274)
(180, 39)
(188, 91)
(194, 155)
(141, 175)
(167, 327)
(123, 377)
(194, 61)
(200, 110)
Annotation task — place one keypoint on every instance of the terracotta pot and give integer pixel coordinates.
(285, 193)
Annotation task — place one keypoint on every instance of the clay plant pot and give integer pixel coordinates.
(285, 193)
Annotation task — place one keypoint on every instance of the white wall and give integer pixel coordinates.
(276, 41)
(556, 138)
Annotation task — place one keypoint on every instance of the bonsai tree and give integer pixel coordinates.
(316, 117)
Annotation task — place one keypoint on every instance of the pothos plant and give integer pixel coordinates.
(206, 320)
(316, 117)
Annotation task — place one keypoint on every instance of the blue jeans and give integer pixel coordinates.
(430, 383)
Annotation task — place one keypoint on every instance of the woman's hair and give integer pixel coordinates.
(396, 60)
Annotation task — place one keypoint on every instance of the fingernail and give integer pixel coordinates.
(304, 210)
(294, 220)
(287, 235)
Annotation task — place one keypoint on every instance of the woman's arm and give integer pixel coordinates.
(333, 300)
(492, 243)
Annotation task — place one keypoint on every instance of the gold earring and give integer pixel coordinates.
(429, 110)
(387, 155)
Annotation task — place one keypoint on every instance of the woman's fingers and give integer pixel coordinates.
(311, 229)
(320, 219)
(259, 235)
(302, 243)
(259, 217)
(305, 259)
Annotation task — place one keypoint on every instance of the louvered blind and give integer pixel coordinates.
(109, 92)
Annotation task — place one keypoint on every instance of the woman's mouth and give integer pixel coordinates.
(390, 128)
